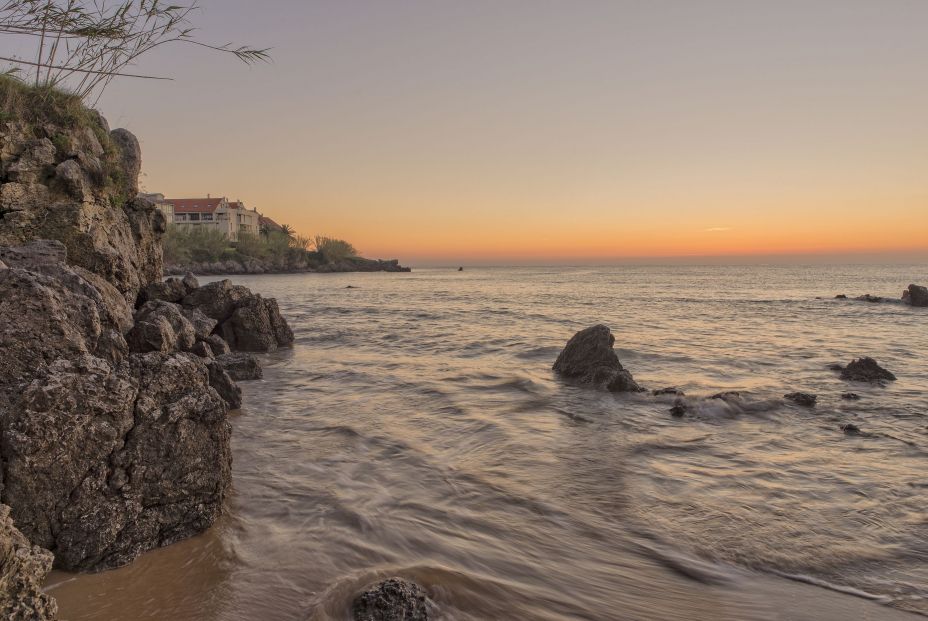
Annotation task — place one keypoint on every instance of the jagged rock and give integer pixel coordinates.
(23, 568)
(256, 325)
(36, 253)
(190, 282)
(202, 325)
(804, 399)
(81, 197)
(866, 370)
(223, 384)
(160, 326)
(217, 344)
(217, 299)
(391, 600)
(170, 290)
(48, 315)
(916, 295)
(130, 156)
(102, 463)
(590, 359)
(240, 366)
(202, 349)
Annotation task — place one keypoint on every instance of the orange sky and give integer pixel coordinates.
(533, 131)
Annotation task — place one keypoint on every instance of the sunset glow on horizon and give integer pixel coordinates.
(534, 132)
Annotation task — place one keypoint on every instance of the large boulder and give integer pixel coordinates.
(391, 600)
(23, 568)
(161, 326)
(590, 359)
(247, 322)
(916, 295)
(101, 463)
(170, 290)
(217, 299)
(224, 385)
(240, 366)
(866, 370)
(202, 325)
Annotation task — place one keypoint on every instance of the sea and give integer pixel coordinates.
(416, 429)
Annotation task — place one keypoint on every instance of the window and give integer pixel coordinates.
(208, 217)
(194, 217)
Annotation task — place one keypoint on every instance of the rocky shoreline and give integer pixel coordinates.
(255, 266)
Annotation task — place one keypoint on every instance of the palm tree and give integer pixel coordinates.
(287, 230)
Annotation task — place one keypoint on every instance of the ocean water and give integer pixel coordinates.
(416, 429)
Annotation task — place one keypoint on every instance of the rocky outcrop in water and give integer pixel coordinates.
(589, 359)
(23, 568)
(866, 370)
(246, 321)
(915, 295)
(391, 600)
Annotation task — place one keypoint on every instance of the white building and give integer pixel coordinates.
(229, 218)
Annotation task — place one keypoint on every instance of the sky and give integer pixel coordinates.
(534, 131)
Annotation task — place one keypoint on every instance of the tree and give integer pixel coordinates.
(287, 230)
(82, 45)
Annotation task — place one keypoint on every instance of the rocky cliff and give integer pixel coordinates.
(114, 385)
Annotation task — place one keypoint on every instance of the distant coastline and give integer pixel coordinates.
(253, 266)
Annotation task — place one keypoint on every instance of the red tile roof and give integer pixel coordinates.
(194, 205)
(265, 221)
(236, 205)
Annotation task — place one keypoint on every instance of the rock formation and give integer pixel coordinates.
(866, 370)
(23, 568)
(391, 600)
(915, 295)
(114, 436)
(590, 359)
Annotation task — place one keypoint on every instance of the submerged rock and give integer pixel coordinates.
(915, 295)
(874, 299)
(23, 568)
(668, 391)
(590, 359)
(804, 399)
(728, 395)
(866, 370)
(678, 410)
(850, 396)
(391, 600)
(840, 296)
(240, 366)
(850, 429)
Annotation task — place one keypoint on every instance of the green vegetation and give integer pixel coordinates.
(184, 245)
(333, 250)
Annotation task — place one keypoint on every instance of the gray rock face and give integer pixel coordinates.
(590, 359)
(866, 370)
(391, 600)
(240, 366)
(130, 156)
(916, 295)
(160, 326)
(190, 282)
(202, 325)
(804, 399)
(170, 290)
(103, 463)
(23, 568)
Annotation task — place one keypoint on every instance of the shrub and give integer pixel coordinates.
(333, 249)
